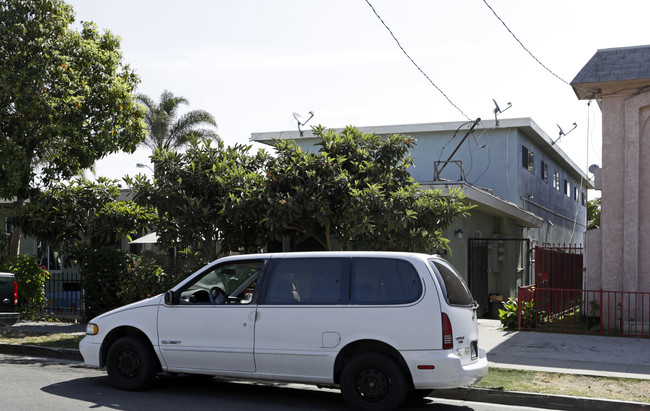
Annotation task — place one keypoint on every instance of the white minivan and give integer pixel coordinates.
(380, 326)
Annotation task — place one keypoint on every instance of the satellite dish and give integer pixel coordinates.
(496, 106)
(562, 133)
(497, 110)
(593, 168)
(298, 118)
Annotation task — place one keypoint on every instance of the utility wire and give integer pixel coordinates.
(522, 44)
(415, 64)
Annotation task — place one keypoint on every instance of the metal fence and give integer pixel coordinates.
(559, 266)
(63, 298)
(621, 313)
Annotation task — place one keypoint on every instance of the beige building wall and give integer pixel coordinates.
(625, 218)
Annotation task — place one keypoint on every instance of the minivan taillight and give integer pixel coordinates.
(447, 333)
(15, 293)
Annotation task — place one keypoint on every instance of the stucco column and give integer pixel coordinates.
(631, 197)
(636, 192)
(612, 211)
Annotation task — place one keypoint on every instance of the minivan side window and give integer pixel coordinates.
(453, 287)
(308, 281)
(384, 281)
(237, 280)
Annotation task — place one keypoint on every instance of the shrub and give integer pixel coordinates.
(31, 277)
(508, 316)
(100, 270)
(141, 278)
(531, 317)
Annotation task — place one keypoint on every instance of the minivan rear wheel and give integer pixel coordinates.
(130, 364)
(373, 381)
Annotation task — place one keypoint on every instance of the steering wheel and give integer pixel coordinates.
(217, 296)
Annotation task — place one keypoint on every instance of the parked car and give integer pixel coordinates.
(8, 300)
(380, 326)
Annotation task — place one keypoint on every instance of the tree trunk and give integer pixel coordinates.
(16, 232)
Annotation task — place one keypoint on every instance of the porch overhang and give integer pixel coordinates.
(151, 238)
(489, 203)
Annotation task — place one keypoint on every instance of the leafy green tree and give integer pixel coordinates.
(355, 193)
(207, 197)
(593, 213)
(31, 277)
(85, 220)
(82, 214)
(66, 99)
(166, 130)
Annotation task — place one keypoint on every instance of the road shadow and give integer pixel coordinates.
(179, 392)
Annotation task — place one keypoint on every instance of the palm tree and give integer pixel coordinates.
(165, 130)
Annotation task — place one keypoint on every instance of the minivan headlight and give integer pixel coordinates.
(92, 329)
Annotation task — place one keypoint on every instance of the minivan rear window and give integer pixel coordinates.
(384, 281)
(454, 288)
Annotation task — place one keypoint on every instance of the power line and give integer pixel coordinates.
(415, 64)
(522, 45)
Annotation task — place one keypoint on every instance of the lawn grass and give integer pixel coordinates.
(622, 389)
(60, 340)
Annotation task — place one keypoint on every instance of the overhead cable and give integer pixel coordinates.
(522, 44)
(415, 64)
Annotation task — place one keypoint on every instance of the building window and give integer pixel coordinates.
(544, 172)
(567, 191)
(584, 198)
(527, 159)
(556, 180)
(575, 194)
(47, 257)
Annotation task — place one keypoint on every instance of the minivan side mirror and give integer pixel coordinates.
(171, 298)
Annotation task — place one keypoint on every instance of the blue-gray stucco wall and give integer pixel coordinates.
(492, 159)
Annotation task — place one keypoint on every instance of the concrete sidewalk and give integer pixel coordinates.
(565, 353)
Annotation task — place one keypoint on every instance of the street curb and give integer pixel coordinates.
(559, 402)
(38, 351)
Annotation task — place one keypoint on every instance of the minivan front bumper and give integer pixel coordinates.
(90, 351)
(448, 371)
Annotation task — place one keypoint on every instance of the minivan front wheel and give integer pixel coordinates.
(373, 381)
(130, 364)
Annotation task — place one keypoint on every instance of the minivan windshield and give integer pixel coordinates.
(454, 288)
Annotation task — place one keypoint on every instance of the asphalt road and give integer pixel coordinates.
(36, 383)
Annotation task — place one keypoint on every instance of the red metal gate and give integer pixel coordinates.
(559, 266)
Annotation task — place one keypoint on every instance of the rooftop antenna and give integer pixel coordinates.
(298, 118)
(562, 133)
(497, 110)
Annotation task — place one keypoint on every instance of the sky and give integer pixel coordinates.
(252, 63)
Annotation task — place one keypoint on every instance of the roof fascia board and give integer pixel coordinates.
(493, 204)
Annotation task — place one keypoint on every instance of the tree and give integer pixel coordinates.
(208, 197)
(66, 99)
(166, 132)
(81, 215)
(593, 213)
(85, 221)
(355, 193)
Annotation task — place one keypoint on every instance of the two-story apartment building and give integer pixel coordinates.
(526, 190)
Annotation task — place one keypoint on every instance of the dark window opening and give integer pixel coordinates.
(527, 159)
